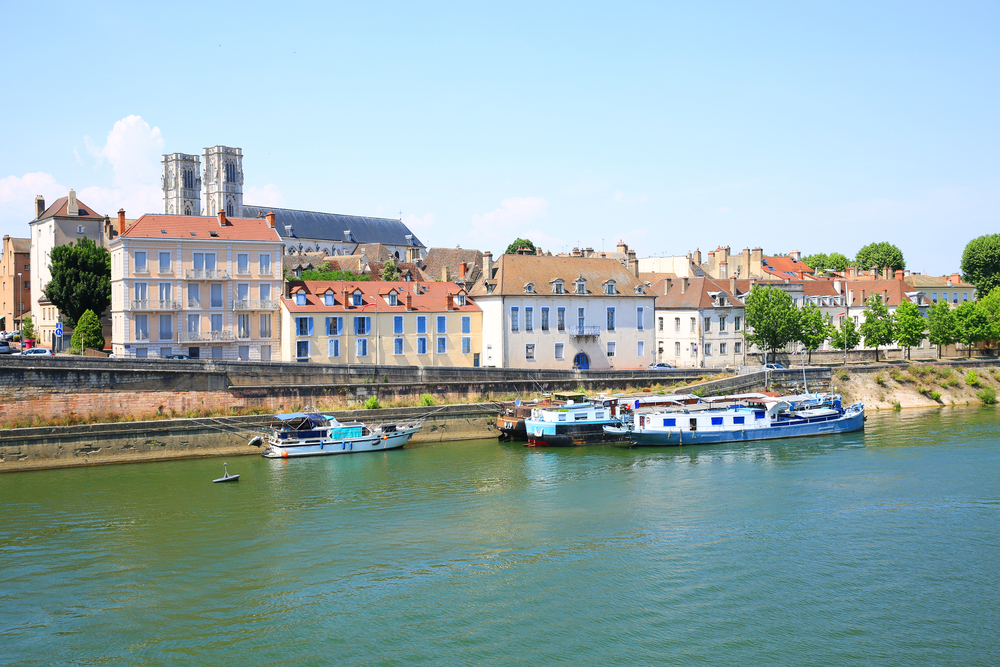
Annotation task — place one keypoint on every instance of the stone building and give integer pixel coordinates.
(15, 276)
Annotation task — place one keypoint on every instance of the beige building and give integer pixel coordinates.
(15, 276)
(564, 312)
(207, 287)
(399, 323)
(700, 322)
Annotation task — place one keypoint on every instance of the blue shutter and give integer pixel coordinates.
(310, 326)
(368, 325)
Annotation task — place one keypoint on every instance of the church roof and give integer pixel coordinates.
(331, 226)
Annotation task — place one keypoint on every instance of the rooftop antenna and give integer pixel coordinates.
(400, 215)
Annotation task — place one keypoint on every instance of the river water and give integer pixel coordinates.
(878, 548)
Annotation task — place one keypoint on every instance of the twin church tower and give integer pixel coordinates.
(182, 182)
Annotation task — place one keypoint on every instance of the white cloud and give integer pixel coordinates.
(269, 195)
(724, 209)
(17, 200)
(619, 195)
(513, 212)
(420, 225)
(133, 149)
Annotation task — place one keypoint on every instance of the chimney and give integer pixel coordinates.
(462, 268)
(445, 274)
(222, 217)
(487, 265)
(684, 284)
(696, 257)
(409, 301)
(39, 206)
(906, 273)
(948, 283)
(449, 302)
(955, 278)
(622, 247)
(347, 302)
(121, 220)
(887, 272)
(836, 286)
(723, 270)
(270, 219)
(732, 285)
(795, 255)
(899, 274)
(756, 262)
(72, 208)
(633, 263)
(670, 284)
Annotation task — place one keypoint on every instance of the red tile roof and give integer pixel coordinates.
(786, 267)
(59, 206)
(200, 227)
(432, 296)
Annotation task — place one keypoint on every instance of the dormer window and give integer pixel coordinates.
(581, 287)
(558, 287)
(609, 287)
(460, 298)
(300, 299)
(529, 288)
(328, 299)
(639, 289)
(489, 288)
(392, 299)
(357, 299)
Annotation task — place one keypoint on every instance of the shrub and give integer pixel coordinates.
(879, 378)
(921, 371)
(952, 381)
(88, 332)
(427, 400)
(932, 394)
(896, 405)
(897, 375)
(972, 378)
(988, 395)
(372, 403)
(843, 375)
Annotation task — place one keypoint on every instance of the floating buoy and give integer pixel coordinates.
(227, 477)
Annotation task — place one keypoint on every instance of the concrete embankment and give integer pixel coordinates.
(164, 439)
(919, 385)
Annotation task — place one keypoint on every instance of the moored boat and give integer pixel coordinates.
(510, 421)
(315, 434)
(574, 424)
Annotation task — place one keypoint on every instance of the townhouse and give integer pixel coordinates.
(700, 322)
(401, 323)
(206, 287)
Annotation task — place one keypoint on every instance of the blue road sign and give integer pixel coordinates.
(59, 328)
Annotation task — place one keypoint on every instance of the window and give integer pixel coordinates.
(581, 317)
(609, 287)
(393, 301)
(441, 344)
(641, 348)
(362, 325)
(422, 345)
(303, 326)
(670, 421)
(558, 287)
(561, 319)
(640, 317)
(442, 324)
(265, 326)
(300, 298)
(166, 327)
(140, 291)
(545, 319)
(165, 266)
(736, 323)
(397, 346)
(965, 296)
(722, 348)
(329, 299)
(716, 421)
(397, 324)
(265, 353)
(230, 172)
(581, 287)
(466, 324)
(529, 319)
(362, 347)
(559, 350)
(461, 299)
(243, 294)
(357, 299)
(244, 353)
(677, 349)
(466, 345)
(708, 349)
(216, 352)
(739, 420)
(611, 319)
(194, 325)
(140, 262)
(529, 351)
(204, 263)
(141, 352)
(736, 347)
(659, 324)
(216, 295)
(513, 319)
(141, 323)
(265, 292)
(611, 348)
(722, 322)
(694, 324)
(243, 263)
(302, 349)
(934, 297)
(708, 324)
(243, 325)
(334, 326)
(333, 347)
(165, 352)
(79, 229)
(264, 264)
(217, 322)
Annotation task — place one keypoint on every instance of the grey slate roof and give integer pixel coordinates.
(331, 226)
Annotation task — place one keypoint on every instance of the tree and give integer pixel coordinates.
(88, 332)
(27, 329)
(329, 273)
(389, 271)
(877, 327)
(814, 327)
(991, 305)
(910, 326)
(520, 243)
(820, 261)
(941, 326)
(981, 263)
(973, 324)
(771, 317)
(878, 255)
(81, 279)
(846, 338)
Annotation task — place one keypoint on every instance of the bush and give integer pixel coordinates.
(988, 395)
(843, 375)
(879, 378)
(27, 328)
(932, 394)
(950, 382)
(972, 378)
(372, 403)
(897, 375)
(88, 332)
(427, 400)
(896, 405)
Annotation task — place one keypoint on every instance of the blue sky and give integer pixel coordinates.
(811, 126)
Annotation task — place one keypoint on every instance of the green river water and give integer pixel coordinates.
(865, 549)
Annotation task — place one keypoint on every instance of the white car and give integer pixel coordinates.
(37, 352)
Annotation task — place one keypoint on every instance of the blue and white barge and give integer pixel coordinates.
(314, 434)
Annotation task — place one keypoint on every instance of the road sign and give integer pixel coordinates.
(59, 328)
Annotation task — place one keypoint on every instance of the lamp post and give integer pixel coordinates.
(20, 291)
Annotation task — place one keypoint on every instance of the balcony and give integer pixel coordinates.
(206, 336)
(264, 271)
(166, 271)
(141, 269)
(583, 332)
(206, 274)
(243, 271)
(153, 304)
(255, 304)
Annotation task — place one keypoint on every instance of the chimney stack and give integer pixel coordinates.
(462, 268)
(270, 219)
(899, 274)
(723, 270)
(121, 220)
(955, 278)
(39, 206)
(409, 301)
(72, 208)
(684, 284)
(732, 285)
(487, 265)
(449, 302)
(347, 302)
(795, 255)
(222, 217)
(445, 274)
(633, 263)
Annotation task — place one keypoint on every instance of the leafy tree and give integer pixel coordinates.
(520, 243)
(88, 332)
(820, 261)
(771, 317)
(814, 328)
(81, 279)
(991, 305)
(973, 324)
(910, 326)
(847, 337)
(27, 329)
(877, 328)
(981, 263)
(941, 325)
(878, 255)
(328, 273)
(390, 271)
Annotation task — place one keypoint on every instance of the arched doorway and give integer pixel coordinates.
(581, 361)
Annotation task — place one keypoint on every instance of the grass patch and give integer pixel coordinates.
(372, 403)
(880, 378)
(988, 395)
(842, 374)
(972, 378)
(897, 376)
(932, 394)
(426, 400)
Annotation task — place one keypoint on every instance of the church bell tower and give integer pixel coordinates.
(181, 182)
(224, 181)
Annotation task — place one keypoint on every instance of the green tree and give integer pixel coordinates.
(27, 329)
(390, 271)
(88, 332)
(771, 317)
(973, 324)
(520, 243)
(877, 327)
(941, 326)
(981, 263)
(991, 305)
(847, 337)
(835, 261)
(814, 328)
(878, 255)
(910, 325)
(81, 279)
(329, 273)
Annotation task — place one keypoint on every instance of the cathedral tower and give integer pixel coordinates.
(224, 181)
(181, 182)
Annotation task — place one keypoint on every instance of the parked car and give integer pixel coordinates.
(658, 364)
(37, 352)
(773, 367)
(5, 347)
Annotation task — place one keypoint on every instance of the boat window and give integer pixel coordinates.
(716, 421)
(670, 422)
(758, 414)
(739, 420)
(599, 414)
(579, 416)
(562, 417)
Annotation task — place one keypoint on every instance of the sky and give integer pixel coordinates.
(810, 126)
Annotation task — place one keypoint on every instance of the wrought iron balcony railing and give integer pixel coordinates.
(255, 304)
(580, 332)
(206, 274)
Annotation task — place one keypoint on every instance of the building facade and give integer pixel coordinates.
(700, 322)
(15, 276)
(207, 287)
(564, 312)
(394, 323)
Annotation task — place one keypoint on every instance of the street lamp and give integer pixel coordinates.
(20, 290)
